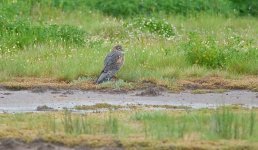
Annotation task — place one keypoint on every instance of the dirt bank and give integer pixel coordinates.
(41, 84)
(16, 144)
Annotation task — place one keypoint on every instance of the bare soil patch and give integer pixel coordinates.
(150, 87)
(45, 108)
(187, 144)
(151, 91)
(249, 83)
(16, 144)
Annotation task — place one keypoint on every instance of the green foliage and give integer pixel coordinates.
(130, 8)
(63, 39)
(65, 5)
(245, 7)
(241, 56)
(160, 125)
(222, 123)
(152, 25)
(111, 125)
(204, 52)
(117, 8)
(228, 125)
(19, 34)
(146, 7)
(15, 9)
(235, 54)
(80, 124)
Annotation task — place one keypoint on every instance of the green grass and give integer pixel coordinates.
(204, 125)
(223, 123)
(131, 8)
(53, 39)
(231, 126)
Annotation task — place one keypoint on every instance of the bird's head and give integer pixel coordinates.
(118, 48)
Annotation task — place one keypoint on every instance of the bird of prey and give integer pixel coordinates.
(112, 63)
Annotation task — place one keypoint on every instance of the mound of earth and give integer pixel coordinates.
(151, 91)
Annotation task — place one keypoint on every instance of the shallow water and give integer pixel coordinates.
(28, 101)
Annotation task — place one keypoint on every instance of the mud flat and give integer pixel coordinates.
(30, 100)
(15, 144)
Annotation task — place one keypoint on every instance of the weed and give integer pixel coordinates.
(229, 125)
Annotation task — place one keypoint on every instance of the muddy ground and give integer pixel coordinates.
(34, 95)
(244, 83)
(52, 100)
(16, 144)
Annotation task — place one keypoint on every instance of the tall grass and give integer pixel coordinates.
(59, 39)
(160, 125)
(209, 52)
(81, 124)
(222, 123)
(229, 125)
(20, 34)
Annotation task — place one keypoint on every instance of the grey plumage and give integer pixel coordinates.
(112, 63)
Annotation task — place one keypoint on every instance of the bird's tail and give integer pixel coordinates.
(102, 78)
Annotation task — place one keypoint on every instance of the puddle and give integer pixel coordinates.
(28, 101)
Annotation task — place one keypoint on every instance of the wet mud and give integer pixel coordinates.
(151, 91)
(50, 100)
(15, 144)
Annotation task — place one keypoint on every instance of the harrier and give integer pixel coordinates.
(112, 63)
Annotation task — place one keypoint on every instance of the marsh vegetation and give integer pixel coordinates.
(164, 41)
(126, 127)
(197, 44)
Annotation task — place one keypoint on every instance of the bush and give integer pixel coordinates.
(204, 52)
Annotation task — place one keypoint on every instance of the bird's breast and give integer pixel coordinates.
(120, 60)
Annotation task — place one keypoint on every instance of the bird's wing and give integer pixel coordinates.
(112, 61)
(112, 64)
(109, 58)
